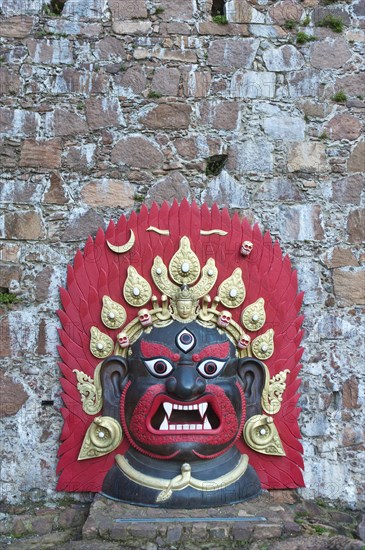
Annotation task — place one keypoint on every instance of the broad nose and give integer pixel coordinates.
(185, 383)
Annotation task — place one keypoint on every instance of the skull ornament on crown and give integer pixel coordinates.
(184, 407)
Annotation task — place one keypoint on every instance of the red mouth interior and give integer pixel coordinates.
(184, 417)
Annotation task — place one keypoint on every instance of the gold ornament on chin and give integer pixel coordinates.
(261, 435)
(103, 436)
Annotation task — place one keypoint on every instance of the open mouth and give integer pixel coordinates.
(172, 416)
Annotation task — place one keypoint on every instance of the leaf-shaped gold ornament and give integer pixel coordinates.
(101, 345)
(137, 290)
(254, 316)
(102, 437)
(113, 314)
(263, 345)
(232, 291)
(160, 278)
(261, 435)
(184, 267)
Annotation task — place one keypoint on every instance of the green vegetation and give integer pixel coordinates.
(303, 38)
(323, 136)
(290, 24)
(7, 298)
(80, 106)
(54, 8)
(159, 10)
(332, 22)
(306, 21)
(2, 59)
(339, 97)
(153, 95)
(138, 197)
(220, 19)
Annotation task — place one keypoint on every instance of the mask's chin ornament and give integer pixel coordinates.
(180, 395)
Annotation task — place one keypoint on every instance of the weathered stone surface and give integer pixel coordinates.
(175, 27)
(280, 12)
(279, 189)
(23, 225)
(80, 82)
(165, 81)
(251, 156)
(18, 122)
(307, 157)
(42, 283)
(324, 11)
(79, 223)
(165, 54)
(356, 226)
(16, 27)
(132, 81)
(128, 9)
(283, 59)
(67, 123)
(284, 127)
(12, 395)
(226, 190)
(174, 186)
(103, 113)
(177, 10)
(79, 158)
(253, 85)
(50, 52)
(349, 287)
(187, 148)
(173, 116)
(331, 53)
(356, 162)
(219, 115)
(343, 126)
(109, 48)
(132, 27)
(351, 393)
(340, 257)
(196, 83)
(304, 83)
(302, 223)
(314, 109)
(214, 29)
(348, 190)
(8, 273)
(41, 154)
(352, 84)
(9, 81)
(112, 193)
(137, 152)
(55, 193)
(238, 11)
(229, 54)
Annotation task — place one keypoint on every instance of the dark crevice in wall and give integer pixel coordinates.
(218, 7)
(215, 164)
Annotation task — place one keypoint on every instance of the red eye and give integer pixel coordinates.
(210, 367)
(159, 367)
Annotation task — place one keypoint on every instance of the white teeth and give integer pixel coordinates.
(172, 427)
(165, 424)
(195, 407)
(202, 409)
(168, 409)
(207, 425)
(199, 426)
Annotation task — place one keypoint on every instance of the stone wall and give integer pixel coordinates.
(115, 102)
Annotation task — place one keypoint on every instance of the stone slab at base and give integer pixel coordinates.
(227, 527)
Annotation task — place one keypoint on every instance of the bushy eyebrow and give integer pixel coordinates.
(152, 349)
(219, 351)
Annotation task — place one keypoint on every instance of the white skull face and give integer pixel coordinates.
(144, 317)
(123, 340)
(224, 319)
(246, 248)
(244, 342)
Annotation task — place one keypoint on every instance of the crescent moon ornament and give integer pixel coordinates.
(125, 247)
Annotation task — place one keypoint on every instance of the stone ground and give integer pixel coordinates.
(278, 521)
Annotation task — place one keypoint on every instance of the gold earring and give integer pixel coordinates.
(102, 437)
(261, 435)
